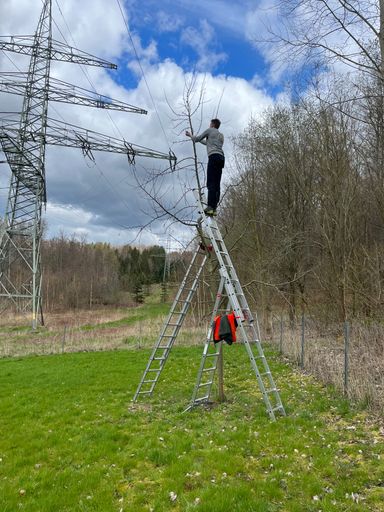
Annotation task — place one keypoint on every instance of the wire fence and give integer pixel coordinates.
(349, 356)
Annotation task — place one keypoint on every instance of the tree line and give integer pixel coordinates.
(78, 274)
(305, 212)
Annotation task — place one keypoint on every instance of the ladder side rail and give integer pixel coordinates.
(257, 372)
(230, 267)
(186, 277)
(233, 299)
(206, 348)
(187, 301)
(232, 295)
(215, 241)
(267, 372)
(164, 351)
(249, 322)
(223, 266)
(255, 331)
(223, 252)
(182, 315)
(176, 301)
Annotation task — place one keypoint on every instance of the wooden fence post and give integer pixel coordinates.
(346, 356)
(302, 340)
(63, 340)
(281, 334)
(220, 374)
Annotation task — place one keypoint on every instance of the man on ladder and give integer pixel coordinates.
(214, 141)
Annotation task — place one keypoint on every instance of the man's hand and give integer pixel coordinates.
(188, 134)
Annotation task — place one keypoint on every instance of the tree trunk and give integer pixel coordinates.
(220, 375)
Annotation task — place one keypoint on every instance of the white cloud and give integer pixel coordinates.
(169, 22)
(77, 221)
(226, 14)
(104, 201)
(146, 54)
(203, 42)
(262, 24)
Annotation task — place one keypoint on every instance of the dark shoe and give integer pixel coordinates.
(209, 211)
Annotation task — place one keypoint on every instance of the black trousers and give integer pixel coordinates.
(214, 170)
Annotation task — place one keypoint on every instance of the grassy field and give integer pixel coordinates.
(84, 330)
(72, 441)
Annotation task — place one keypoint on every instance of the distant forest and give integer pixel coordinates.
(77, 274)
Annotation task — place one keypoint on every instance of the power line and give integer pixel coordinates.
(109, 183)
(142, 71)
(85, 72)
(101, 173)
(9, 58)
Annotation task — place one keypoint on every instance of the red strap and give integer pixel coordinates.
(216, 328)
(232, 324)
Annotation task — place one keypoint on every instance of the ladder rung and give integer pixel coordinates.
(264, 374)
(162, 358)
(272, 390)
(201, 399)
(210, 369)
(144, 392)
(278, 408)
(212, 355)
(163, 347)
(154, 370)
(148, 381)
(205, 384)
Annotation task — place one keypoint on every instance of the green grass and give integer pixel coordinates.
(71, 441)
(15, 328)
(144, 312)
(129, 316)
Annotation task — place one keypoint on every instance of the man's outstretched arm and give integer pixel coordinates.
(198, 138)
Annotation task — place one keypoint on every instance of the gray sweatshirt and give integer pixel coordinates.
(213, 139)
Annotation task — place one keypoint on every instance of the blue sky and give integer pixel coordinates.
(209, 36)
(215, 39)
(220, 41)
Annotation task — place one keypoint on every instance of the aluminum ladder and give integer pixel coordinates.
(247, 327)
(209, 360)
(172, 324)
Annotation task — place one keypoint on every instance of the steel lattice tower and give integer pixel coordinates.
(23, 141)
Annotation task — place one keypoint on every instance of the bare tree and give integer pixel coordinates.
(170, 190)
(302, 217)
(273, 206)
(321, 31)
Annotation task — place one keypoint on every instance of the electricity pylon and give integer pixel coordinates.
(23, 140)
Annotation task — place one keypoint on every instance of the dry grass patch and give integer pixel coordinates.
(324, 357)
